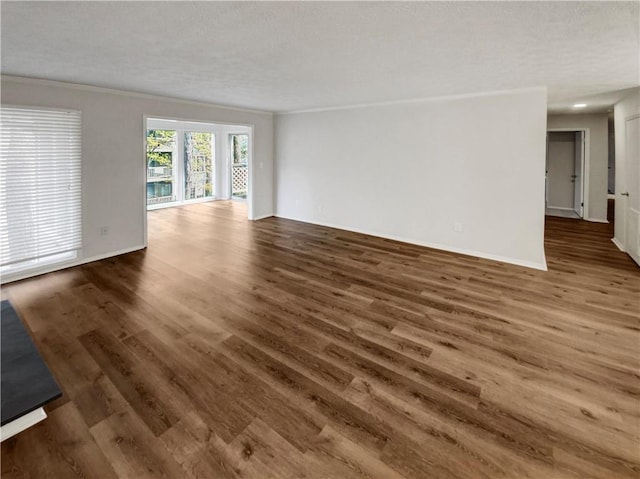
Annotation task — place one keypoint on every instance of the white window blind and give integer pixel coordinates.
(40, 188)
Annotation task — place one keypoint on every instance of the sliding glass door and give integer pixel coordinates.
(190, 162)
(180, 167)
(162, 156)
(239, 147)
(198, 165)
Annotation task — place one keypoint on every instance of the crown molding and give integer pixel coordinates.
(97, 89)
(433, 99)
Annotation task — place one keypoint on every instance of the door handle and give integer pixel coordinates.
(574, 176)
(624, 194)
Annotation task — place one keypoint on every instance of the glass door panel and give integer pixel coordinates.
(161, 172)
(239, 145)
(198, 165)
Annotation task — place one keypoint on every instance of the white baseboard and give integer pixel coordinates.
(68, 264)
(111, 254)
(596, 220)
(23, 422)
(261, 217)
(559, 208)
(478, 254)
(620, 246)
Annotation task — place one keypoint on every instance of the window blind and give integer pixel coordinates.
(40, 187)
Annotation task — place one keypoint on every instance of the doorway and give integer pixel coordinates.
(239, 150)
(565, 173)
(190, 162)
(181, 162)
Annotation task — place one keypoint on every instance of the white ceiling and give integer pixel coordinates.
(285, 56)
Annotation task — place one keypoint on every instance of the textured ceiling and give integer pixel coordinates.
(287, 56)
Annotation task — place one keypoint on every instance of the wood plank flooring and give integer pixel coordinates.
(277, 349)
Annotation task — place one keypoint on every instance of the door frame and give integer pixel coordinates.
(585, 165)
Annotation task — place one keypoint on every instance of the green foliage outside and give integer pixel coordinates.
(198, 156)
(158, 142)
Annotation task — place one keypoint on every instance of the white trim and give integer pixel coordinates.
(611, 196)
(560, 208)
(202, 126)
(596, 220)
(175, 204)
(261, 217)
(67, 264)
(586, 167)
(43, 108)
(250, 176)
(618, 244)
(160, 206)
(148, 96)
(414, 100)
(478, 254)
(23, 422)
(143, 163)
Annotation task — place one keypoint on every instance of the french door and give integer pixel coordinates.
(180, 166)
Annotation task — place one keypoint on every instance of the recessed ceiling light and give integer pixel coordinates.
(579, 105)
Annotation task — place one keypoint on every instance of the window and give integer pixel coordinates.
(239, 145)
(172, 154)
(162, 148)
(40, 188)
(198, 164)
(192, 161)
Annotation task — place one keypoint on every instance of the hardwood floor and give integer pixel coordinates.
(277, 349)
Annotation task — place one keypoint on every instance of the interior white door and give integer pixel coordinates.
(632, 139)
(546, 176)
(560, 170)
(578, 167)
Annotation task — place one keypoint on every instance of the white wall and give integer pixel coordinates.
(113, 174)
(629, 106)
(411, 170)
(598, 159)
